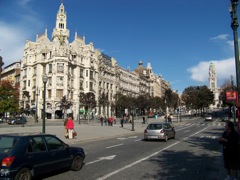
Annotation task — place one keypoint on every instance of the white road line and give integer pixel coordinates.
(147, 157)
(138, 140)
(136, 162)
(114, 146)
(186, 131)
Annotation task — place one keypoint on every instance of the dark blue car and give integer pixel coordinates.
(25, 155)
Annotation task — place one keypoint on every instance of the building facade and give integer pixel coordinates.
(75, 67)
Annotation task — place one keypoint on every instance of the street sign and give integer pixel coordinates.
(231, 95)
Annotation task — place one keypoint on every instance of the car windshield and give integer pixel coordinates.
(7, 143)
(154, 126)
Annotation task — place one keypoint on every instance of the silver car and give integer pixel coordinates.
(159, 130)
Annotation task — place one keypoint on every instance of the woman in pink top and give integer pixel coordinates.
(70, 127)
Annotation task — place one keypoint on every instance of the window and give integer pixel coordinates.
(60, 67)
(28, 83)
(81, 73)
(44, 56)
(50, 68)
(91, 86)
(91, 74)
(86, 73)
(86, 84)
(49, 93)
(59, 81)
(7, 143)
(59, 93)
(53, 143)
(36, 144)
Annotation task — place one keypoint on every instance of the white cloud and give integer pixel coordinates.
(224, 69)
(220, 37)
(13, 34)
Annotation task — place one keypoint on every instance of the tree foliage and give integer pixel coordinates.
(197, 97)
(65, 104)
(9, 97)
(88, 100)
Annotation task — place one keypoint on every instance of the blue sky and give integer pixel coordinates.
(178, 38)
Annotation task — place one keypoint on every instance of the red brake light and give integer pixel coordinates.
(161, 131)
(145, 131)
(7, 161)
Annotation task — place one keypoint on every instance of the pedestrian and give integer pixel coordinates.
(115, 119)
(111, 121)
(229, 140)
(144, 121)
(70, 127)
(121, 121)
(105, 120)
(65, 128)
(130, 118)
(101, 119)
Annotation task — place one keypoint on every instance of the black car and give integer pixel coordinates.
(25, 155)
(12, 121)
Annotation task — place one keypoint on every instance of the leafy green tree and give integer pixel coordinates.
(9, 97)
(198, 97)
(64, 105)
(88, 100)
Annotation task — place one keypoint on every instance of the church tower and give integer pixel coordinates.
(213, 85)
(212, 77)
(60, 32)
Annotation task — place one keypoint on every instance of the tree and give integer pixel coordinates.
(197, 97)
(9, 97)
(65, 104)
(88, 100)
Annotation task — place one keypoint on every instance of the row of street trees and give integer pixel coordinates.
(193, 97)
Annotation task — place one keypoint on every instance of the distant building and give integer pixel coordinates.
(12, 73)
(213, 85)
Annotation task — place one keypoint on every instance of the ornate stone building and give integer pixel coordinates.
(75, 67)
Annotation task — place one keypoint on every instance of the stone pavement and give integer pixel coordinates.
(94, 131)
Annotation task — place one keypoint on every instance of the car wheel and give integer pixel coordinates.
(166, 138)
(77, 163)
(23, 174)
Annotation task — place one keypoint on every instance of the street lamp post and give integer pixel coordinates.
(234, 25)
(133, 119)
(44, 78)
(36, 106)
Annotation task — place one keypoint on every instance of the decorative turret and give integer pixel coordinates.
(60, 32)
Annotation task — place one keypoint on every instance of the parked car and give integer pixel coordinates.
(26, 155)
(17, 121)
(159, 130)
(208, 117)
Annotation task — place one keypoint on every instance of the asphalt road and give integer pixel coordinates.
(192, 155)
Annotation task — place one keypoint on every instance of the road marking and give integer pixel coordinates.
(114, 146)
(186, 131)
(121, 138)
(136, 162)
(101, 158)
(147, 157)
(138, 140)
